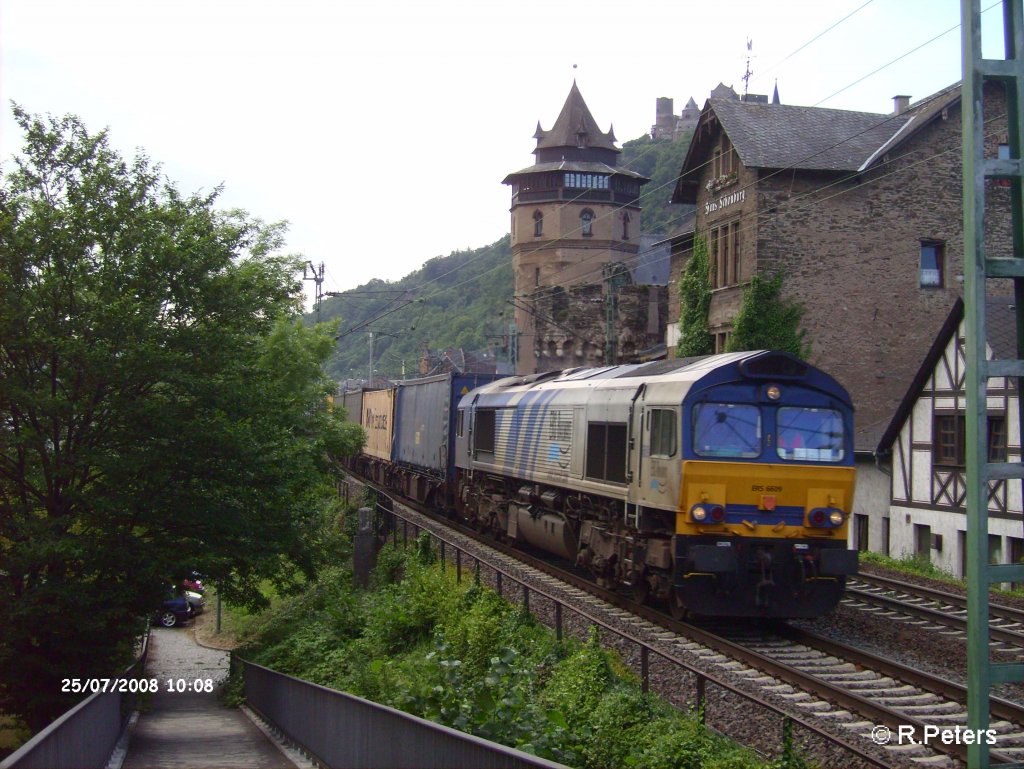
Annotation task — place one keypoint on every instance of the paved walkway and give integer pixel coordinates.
(189, 729)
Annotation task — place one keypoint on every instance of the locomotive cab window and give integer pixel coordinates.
(726, 430)
(483, 436)
(813, 435)
(662, 424)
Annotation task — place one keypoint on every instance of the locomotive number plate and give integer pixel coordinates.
(759, 487)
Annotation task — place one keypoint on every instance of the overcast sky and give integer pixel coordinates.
(382, 130)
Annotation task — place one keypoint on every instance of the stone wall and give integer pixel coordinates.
(571, 324)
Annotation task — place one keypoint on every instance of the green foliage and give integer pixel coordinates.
(660, 160)
(460, 300)
(917, 565)
(462, 656)
(767, 322)
(694, 301)
(162, 411)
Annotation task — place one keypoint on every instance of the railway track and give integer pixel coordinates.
(853, 692)
(934, 609)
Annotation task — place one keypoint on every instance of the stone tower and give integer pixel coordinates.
(573, 212)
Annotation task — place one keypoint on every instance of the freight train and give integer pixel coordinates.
(718, 486)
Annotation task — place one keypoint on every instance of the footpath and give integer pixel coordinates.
(192, 728)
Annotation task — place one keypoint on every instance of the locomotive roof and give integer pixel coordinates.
(722, 367)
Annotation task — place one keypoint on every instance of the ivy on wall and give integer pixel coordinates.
(767, 322)
(694, 301)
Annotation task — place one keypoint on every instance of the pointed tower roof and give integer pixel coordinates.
(575, 127)
(775, 96)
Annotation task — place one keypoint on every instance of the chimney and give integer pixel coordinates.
(900, 104)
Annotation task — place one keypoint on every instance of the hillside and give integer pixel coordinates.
(660, 161)
(462, 300)
(459, 300)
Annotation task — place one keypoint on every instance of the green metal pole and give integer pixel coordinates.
(974, 315)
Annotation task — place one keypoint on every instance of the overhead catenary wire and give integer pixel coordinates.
(648, 192)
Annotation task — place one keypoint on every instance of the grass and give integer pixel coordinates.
(919, 566)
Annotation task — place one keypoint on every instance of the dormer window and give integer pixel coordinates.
(538, 224)
(586, 222)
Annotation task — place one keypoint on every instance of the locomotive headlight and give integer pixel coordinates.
(698, 513)
(773, 392)
(826, 517)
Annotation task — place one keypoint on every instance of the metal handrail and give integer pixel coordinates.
(86, 734)
(646, 649)
(340, 729)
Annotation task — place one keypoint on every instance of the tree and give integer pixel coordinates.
(694, 301)
(766, 321)
(160, 411)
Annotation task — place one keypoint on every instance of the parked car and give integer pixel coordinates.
(174, 610)
(196, 601)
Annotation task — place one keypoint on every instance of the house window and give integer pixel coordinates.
(923, 541)
(713, 258)
(538, 223)
(724, 255)
(586, 222)
(933, 256)
(625, 225)
(735, 232)
(948, 443)
(1003, 153)
(997, 439)
(949, 440)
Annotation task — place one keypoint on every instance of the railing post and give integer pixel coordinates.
(458, 565)
(645, 669)
(558, 621)
(526, 598)
(497, 582)
(701, 699)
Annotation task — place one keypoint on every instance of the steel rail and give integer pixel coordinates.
(1000, 611)
(651, 615)
(996, 633)
(878, 713)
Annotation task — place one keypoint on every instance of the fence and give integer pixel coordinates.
(400, 528)
(85, 736)
(341, 730)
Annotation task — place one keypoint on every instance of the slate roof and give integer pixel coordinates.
(1001, 320)
(785, 136)
(574, 119)
(805, 138)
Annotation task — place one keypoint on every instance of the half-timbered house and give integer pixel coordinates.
(924, 446)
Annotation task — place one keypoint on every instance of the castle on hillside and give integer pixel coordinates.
(668, 125)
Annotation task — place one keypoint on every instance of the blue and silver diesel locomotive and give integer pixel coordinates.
(720, 485)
